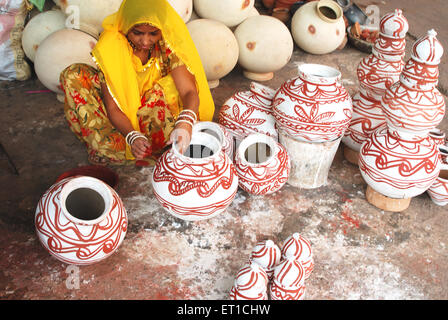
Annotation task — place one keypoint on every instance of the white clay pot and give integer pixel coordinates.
(60, 50)
(251, 283)
(249, 112)
(90, 13)
(263, 53)
(438, 192)
(262, 165)
(183, 7)
(299, 248)
(289, 281)
(219, 132)
(81, 220)
(199, 184)
(399, 166)
(313, 107)
(267, 255)
(318, 27)
(217, 47)
(230, 12)
(40, 27)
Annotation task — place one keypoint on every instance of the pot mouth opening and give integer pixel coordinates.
(210, 128)
(85, 200)
(202, 146)
(257, 149)
(329, 11)
(318, 71)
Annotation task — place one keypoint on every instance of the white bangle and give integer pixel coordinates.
(188, 117)
(132, 136)
(191, 111)
(184, 121)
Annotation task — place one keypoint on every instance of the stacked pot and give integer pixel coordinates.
(228, 33)
(274, 273)
(376, 73)
(400, 160)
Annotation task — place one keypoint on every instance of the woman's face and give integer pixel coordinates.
(144, 36)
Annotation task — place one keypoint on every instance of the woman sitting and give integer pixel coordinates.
(150, 81)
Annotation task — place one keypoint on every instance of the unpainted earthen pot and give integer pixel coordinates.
(230, 12)
(318, 27)
(40, 27)
(217, 47)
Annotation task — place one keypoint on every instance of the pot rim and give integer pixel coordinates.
(204, 139)
(333, 6)
(325, 74)
(212, 126)
(253, 139)
(90, 183)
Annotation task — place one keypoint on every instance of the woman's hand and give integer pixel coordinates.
(181, 136)
(140, 148)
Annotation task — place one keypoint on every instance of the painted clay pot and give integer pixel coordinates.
(249, 112)
(183, 7)
(251, 283)
(81, 220)
(262, 165)
(313, 107)
(90, 13)
(318, 27)
(299, 248)
(40, 27)
(289, 281)
(376, 73)
(257, 56)
(414, 105)
(230, 12)
(217, 47)
(51, 58)
(438, 192)
(196, 185)
(267, 255)
(438, 136)
(399, 166)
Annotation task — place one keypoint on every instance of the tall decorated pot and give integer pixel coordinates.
(289, 281)
(299, 248)
(398, 165)
(52, 58)
(196, 185)
(313, 107)
(262, 165)
(318, 27)
(248, 112)
(251, 283)
(217, 47)
(263, 53)
(414, 104)
(81, 220)
(230, 12)
(267, 255)
(376, 73)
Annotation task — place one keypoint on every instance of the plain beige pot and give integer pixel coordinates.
(229, 12)
(183, 7)
(58, 51)
(40, 27)
(318, 27)
(266, 46)
(217, 47)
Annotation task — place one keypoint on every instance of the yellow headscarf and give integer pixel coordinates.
(115, 58)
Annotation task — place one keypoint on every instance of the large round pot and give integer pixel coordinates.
(399, 166)
(318, 27)
(40, 27)
(196, 185)
(414, 104)
(81, 220)
(263, 53)
(262, 165)
(313, 107)
(249, 112)
(52, 55)
(90, 13)
(230, 12)
(217, 47)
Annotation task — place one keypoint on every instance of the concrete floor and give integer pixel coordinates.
(360, 251)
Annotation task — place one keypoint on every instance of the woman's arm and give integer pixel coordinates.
(186, 86)
(121, 122)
